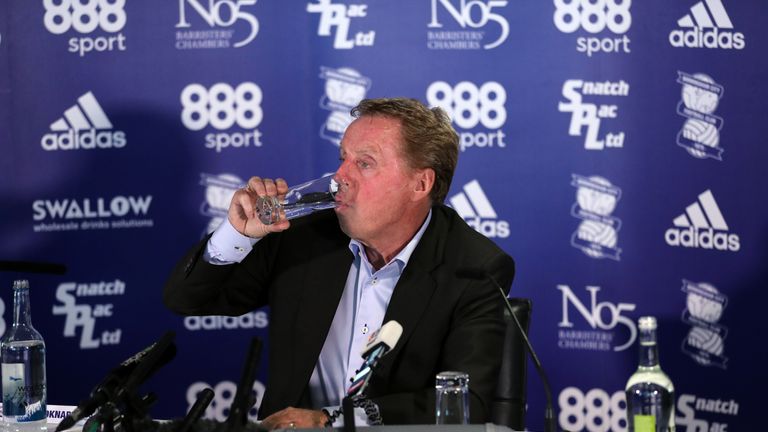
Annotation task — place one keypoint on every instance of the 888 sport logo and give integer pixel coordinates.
(224, 107)
(470, 105)
(593, 411)
(223, 395)
(596, 16)
(87, 17)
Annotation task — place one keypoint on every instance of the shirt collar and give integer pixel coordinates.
(404, 256)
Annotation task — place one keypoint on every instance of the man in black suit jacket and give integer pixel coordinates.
(398, 159)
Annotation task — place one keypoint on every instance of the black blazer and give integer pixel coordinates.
(449, 322)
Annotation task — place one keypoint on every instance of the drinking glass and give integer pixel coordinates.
(452, 398)
(301, 200)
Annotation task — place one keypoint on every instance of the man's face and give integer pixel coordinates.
(376, 185)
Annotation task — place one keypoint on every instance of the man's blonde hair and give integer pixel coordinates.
(429, 140)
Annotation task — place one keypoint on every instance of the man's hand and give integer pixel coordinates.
(297, 418)
(242, 210)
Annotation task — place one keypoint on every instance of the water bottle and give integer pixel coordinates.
(650, 393)
(22, 360)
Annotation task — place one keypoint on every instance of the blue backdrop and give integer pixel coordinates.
(615, 149)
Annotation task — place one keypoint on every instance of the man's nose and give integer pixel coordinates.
(341, 173)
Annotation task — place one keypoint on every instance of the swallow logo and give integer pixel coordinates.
(84, 125)
(474, 207)
(706, 26)
(702, 225)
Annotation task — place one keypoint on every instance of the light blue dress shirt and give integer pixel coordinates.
(360, 311)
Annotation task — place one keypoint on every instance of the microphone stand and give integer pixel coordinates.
(360, 385)
(103, 420)
(137, 408)
(238, 412)
(549, 411)
(204, 399)
(115, 401)
(348, 411)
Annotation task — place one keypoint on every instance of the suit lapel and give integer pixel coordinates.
(320, 295)
(416, 287)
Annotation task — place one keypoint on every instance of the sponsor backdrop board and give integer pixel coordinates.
(614, 148)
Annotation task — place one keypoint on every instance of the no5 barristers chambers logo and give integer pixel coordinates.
(467, 25)
(605, 319)
(215, 24)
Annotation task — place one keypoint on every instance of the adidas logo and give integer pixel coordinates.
(709, 26)
(473, 206)
(702, 226)
(83, 126)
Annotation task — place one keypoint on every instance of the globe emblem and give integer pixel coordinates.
(596, 233)
(702, 307)
(345, 93)
(705, 306)
(705, 340)
(338, 121)
(595, 201)
(218, 197)
(699, 99)
(700, 132)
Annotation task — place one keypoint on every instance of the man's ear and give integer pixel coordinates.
(425, 181)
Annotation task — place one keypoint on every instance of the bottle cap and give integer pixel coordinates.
(647, 323)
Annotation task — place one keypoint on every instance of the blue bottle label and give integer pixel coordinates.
(23, 394)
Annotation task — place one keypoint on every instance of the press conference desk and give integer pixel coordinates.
(488, 427)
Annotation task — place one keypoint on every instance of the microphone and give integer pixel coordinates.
(204, 399)
(108, 389)
(386, 337)
(157, 356)
(379, 343)
(238, 412)
(549, 411)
